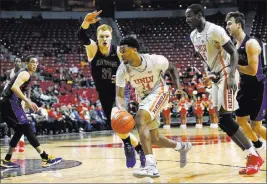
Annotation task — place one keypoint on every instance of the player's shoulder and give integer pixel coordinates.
(194, 32)
(155, 57)
(252, 41)
(214, 28)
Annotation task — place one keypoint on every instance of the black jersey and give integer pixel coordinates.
(103, 68)
(7, 92)
(248, 80)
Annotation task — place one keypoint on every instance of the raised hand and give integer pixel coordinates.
(92, 18)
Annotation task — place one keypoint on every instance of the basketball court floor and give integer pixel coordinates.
(98, 157)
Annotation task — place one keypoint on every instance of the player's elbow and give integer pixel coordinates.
(14, 88)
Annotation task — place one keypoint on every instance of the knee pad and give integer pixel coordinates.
(227, 124)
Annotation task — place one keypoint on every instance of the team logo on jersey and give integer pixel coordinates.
(144, 80)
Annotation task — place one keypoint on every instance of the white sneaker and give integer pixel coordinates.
(214, 125)
(183, 126)
(147, 171)
(186, 146)
(199, 126)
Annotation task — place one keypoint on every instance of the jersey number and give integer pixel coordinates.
(146, 86)
(106, 73)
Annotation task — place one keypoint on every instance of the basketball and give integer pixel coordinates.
(122, 122)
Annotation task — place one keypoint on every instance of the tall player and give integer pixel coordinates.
(15, 117)
(144, 72)
(221, 57)
(105, 60)
(252, 96)
(10, 74)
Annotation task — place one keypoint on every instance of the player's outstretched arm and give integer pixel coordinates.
(91, 46)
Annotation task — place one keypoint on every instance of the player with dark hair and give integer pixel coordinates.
(221, 58)
(105, 60)
(144, 72)
(9, 75)
(252, 96)
(15, 117)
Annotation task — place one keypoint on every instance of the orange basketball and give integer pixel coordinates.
(122, 122)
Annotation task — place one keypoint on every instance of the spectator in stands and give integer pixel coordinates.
(73, 69)
(85, 116)
(96, 121)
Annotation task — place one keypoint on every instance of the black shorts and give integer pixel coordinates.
(12, 112)
(252, 101)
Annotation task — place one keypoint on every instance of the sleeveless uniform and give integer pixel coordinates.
(103, 68)
(209, 44)
(147, 80)
(252, 96)
(11, 107)
(198, 108)
(182, 108)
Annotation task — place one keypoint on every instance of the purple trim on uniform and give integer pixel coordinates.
(17, 109)
(260, 76)
(262, 112)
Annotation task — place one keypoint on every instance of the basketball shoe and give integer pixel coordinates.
(129, 152)
(150, 170)
(253, 165)
(186, 146)
(9, 164)
(50, 161)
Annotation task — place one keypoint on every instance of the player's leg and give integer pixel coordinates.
(259, 128)
(246, 108)
(243, 122)
(227, 104)
(259, 110)
(9, 116)
(48, 160)
(131, 145)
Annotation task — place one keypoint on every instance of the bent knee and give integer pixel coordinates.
(155, 140)
(242, 120)
(142, 118)
(256, 126)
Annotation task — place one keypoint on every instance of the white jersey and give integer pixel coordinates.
(147, 77)
(209, 44)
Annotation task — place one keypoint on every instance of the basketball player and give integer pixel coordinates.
(105, 60)
(15, 117)
(144, 72)
(221, 57)
(252, 96)
(10, 74)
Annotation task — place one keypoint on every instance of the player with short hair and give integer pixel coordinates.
(104, 58)
(15, 117)
(221, 58)
(252, 96)
(144, 72)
